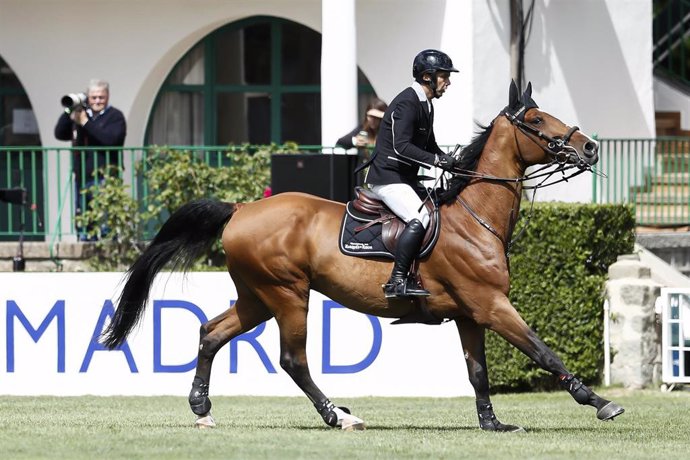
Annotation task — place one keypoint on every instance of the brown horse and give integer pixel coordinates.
(278, 249)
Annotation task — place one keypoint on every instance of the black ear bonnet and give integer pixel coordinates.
(518, 105)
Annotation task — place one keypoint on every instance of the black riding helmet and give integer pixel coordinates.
(431, 61)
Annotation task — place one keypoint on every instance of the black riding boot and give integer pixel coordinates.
(409, 244)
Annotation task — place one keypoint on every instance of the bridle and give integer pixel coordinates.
(557, 147)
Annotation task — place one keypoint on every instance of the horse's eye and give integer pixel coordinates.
(537, 120)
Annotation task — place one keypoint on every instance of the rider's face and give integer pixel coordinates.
(442, 83)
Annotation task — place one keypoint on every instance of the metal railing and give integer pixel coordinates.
(22, 167)
(55, 179)
(650, 174)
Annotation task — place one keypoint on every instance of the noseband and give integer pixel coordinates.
(558, 147)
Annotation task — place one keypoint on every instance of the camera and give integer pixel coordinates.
(73, 101)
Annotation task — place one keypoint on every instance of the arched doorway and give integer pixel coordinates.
(21, 158)
(253, 81)
(17, 122)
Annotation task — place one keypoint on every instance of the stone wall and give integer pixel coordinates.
(69, 257)
(634, 328)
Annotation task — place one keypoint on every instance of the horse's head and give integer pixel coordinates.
(543, 138)
(530, 136)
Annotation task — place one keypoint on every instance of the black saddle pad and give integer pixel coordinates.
(365, 243)
(368, 242)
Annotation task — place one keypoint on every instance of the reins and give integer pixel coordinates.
(557, 147)
(554, 147)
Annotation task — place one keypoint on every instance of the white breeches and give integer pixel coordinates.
(403, 201)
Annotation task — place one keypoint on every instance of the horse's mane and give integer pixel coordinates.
(469, 157)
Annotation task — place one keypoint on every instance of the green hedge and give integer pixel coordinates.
(171, 177)
(558, 269)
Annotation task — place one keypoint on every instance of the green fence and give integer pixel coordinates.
(54, 177)
(23, 167)
(650, 174)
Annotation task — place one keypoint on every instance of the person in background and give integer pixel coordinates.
(405, 142)
(90, 121)
(364, 135)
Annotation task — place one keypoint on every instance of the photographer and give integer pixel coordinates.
(89, 121)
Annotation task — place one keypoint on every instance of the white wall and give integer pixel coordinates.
(589, 61)
(389, 36)
(590, 65)
(338, 69)
(491, 59)
(134, 47)
(669, 99)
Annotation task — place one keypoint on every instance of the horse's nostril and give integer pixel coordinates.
(590, 149)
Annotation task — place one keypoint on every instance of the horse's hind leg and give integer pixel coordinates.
(292, 322)
(509, 324)
(472, 337)
(247, 313)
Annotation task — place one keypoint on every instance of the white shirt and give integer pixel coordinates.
(421, 94)
(92, 114)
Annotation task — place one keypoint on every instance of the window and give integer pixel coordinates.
(20, 166)
(256, 81)
(17, 122)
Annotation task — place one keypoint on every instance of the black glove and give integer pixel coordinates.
(445, 162)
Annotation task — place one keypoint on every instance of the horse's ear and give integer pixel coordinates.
(513, 94)
(527, 100)
(528, 91)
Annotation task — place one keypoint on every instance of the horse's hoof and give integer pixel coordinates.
(353, 426)
(609, 411)
(512, 429)
(503, 428)
(347, 421)
(205, 421)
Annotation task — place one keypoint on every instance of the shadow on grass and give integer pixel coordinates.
(420, 429)
(400, 427)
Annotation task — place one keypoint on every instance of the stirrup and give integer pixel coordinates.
(413, 288)
(395, 287)
(399, 287)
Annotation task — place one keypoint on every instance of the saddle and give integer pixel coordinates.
(370, 229)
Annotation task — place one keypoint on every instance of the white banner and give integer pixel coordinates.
(49, 321)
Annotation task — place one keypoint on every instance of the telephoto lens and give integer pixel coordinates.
(73, 101)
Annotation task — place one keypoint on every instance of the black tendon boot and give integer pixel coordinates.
(408, 247)
(488, 420)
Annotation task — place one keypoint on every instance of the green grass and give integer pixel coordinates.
(655, 425)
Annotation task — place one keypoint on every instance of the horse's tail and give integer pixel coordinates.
(187, 235)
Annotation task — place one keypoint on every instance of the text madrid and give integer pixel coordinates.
(18, 323)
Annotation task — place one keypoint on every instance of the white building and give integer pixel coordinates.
(248, 70)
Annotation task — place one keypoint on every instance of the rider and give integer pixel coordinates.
(405, 142)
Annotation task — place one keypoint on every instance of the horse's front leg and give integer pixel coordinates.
(246, 314)
(293, 359)
(472, 338)
(508, 323)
